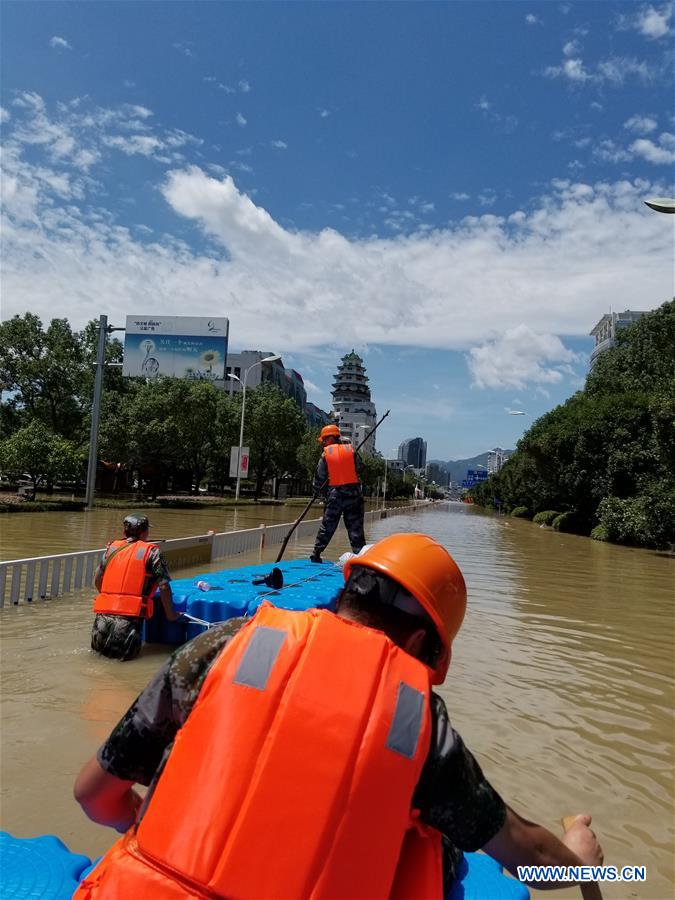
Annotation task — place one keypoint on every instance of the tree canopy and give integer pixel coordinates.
(607, 455)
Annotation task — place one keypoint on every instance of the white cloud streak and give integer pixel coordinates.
(614, 70)
(61, 42)
(641, 124)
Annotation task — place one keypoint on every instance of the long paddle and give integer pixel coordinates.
(590, 890)
(318, 493)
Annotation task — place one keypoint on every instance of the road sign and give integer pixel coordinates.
(243, 462)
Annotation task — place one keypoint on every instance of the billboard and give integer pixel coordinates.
(178, 346)
(243, 464)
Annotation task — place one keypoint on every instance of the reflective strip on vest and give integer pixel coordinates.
(407, 722)
(259, 657)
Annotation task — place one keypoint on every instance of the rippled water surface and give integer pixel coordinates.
(561, 681)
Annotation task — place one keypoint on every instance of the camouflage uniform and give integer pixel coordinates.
(119, 637)
(345, 500)
(452, 794)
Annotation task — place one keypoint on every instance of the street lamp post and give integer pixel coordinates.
(267, 359)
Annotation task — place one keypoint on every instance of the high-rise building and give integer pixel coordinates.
(288, 380)
(413, 452)
(606, 329)
(352, 405)
(437, 473)
(496, 459)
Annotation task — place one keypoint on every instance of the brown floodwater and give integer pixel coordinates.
(562, 680)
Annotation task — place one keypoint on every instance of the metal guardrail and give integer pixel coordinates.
(46, 577)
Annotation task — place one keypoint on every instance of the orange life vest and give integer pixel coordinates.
(125, 588)
(340, 463)
(292, 777)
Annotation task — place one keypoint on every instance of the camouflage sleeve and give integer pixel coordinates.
(452, 794)
(137, 744)
(157, 567)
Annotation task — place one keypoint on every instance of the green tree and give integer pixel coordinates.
(373, 472)
(37, 451)
(224, 434)
(607, 455)
(43, 370)
(273, 429)
(309, 453)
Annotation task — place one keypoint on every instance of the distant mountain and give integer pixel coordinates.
(456, 468)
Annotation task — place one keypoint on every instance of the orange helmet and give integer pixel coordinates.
(329, 431)
(427, 571)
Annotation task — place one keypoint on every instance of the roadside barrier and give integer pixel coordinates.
(47, 577)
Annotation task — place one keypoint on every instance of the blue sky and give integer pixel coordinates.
(452, 189)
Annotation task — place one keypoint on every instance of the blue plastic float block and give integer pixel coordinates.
(38, 867)
(479, 877)
(306, 585)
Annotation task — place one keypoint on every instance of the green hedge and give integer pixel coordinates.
(545, 517)
(521, 512)
(564, 522)
(600, 533)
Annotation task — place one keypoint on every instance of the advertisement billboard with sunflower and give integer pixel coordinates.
(178, 346)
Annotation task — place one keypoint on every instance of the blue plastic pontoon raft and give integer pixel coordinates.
(43, 868)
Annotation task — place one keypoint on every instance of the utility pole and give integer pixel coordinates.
(96, 412)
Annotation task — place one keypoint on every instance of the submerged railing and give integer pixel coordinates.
(47, 577)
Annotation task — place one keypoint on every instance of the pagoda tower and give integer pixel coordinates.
(352, 406)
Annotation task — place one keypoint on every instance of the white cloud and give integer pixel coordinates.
(654, 23)
(459, 195)
(241, 121)
(614, 70)
(617, 69)
(573, 69)
(280, 145)
(142, 112)
(244, 87)
(135, 144)
(57, 41)
(4, 114)
(641, 124)
(571, 48)
(184, 47)
(504, 122)
(608, 151)
(519, 357)
(324, 113)
(488, 197)
(531, 19)
(659, 155)
(226, 88)
(555, 265)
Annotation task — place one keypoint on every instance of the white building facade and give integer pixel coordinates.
(606, 329)
(496, 459)
(354, 410)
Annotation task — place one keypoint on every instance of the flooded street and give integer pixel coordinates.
(39, 534)
(561, 681)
